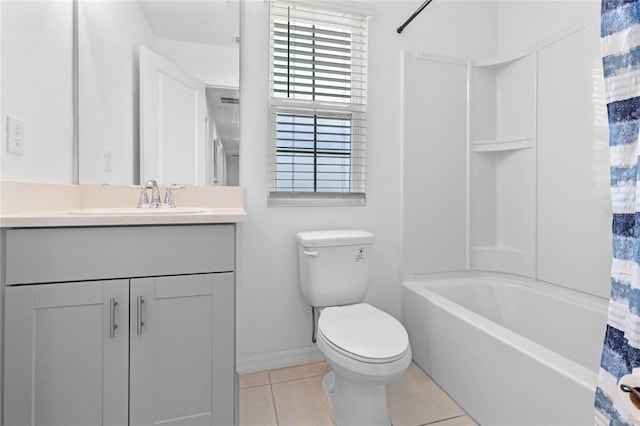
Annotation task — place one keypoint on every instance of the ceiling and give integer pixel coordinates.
(214, 22)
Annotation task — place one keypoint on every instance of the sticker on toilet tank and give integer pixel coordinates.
(361, 255)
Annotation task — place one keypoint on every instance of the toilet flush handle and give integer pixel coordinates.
(311, 253)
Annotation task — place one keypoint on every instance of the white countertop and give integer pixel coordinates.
(35, 205)
(65, 219)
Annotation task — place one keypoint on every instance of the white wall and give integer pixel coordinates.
(37, 58)
(272, 316)
(524, 23)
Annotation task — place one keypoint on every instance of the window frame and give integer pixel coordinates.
(355, 111)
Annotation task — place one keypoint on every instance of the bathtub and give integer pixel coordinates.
(510, 352)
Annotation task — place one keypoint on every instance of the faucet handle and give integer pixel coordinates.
(168, 195)
(168, 198)
(144, 199)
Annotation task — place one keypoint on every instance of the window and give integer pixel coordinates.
(317, 106)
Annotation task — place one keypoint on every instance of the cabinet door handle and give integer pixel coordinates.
(140, 323)
(112, 318)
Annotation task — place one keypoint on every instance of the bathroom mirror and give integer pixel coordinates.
(198, 37)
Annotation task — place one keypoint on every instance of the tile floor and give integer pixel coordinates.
(294, 396)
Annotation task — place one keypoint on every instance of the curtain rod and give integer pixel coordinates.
(416, 13)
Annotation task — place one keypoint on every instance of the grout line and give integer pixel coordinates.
(271, 382)
(273, 402)
(292, 380)
(446, 419)
(296, 378)
(252, 386)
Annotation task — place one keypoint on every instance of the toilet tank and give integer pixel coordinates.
(333, 266)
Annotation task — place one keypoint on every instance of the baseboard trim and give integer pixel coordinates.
(269, 361)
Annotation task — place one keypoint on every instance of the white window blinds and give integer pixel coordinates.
(317, 104)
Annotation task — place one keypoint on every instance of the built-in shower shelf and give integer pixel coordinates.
(501, 145)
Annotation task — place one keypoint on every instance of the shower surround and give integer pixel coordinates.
(507, 157)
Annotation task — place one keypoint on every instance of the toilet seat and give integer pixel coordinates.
(364, 333)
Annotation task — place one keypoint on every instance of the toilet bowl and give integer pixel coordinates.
(366, 349)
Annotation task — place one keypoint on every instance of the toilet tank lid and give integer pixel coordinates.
(338, 237)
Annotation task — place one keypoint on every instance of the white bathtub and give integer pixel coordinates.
(509, 352)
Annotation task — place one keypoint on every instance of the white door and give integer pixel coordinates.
(182, 365)
(66, 363)
(172, 123)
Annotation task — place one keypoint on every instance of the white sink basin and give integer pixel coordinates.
(132, 211)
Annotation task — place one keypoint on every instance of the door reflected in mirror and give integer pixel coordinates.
(183, 134)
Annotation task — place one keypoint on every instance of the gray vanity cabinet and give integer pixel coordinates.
(143, 338)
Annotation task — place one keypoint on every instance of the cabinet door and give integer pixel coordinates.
(182, 350)
(65, 364)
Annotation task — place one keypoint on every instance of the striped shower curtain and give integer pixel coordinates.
(620, 31)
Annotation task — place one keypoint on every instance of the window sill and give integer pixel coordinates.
(286, 199)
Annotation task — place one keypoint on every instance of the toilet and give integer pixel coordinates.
(365, 347)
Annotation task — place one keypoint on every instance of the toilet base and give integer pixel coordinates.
(356, 404)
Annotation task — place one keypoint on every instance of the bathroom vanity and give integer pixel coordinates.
(130, 323)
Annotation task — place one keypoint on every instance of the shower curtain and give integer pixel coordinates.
(620, 32)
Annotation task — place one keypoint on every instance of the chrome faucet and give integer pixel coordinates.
(144, 202)
(155, 195)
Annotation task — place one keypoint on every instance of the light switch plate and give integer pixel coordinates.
(15, 135)
(106, 156)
